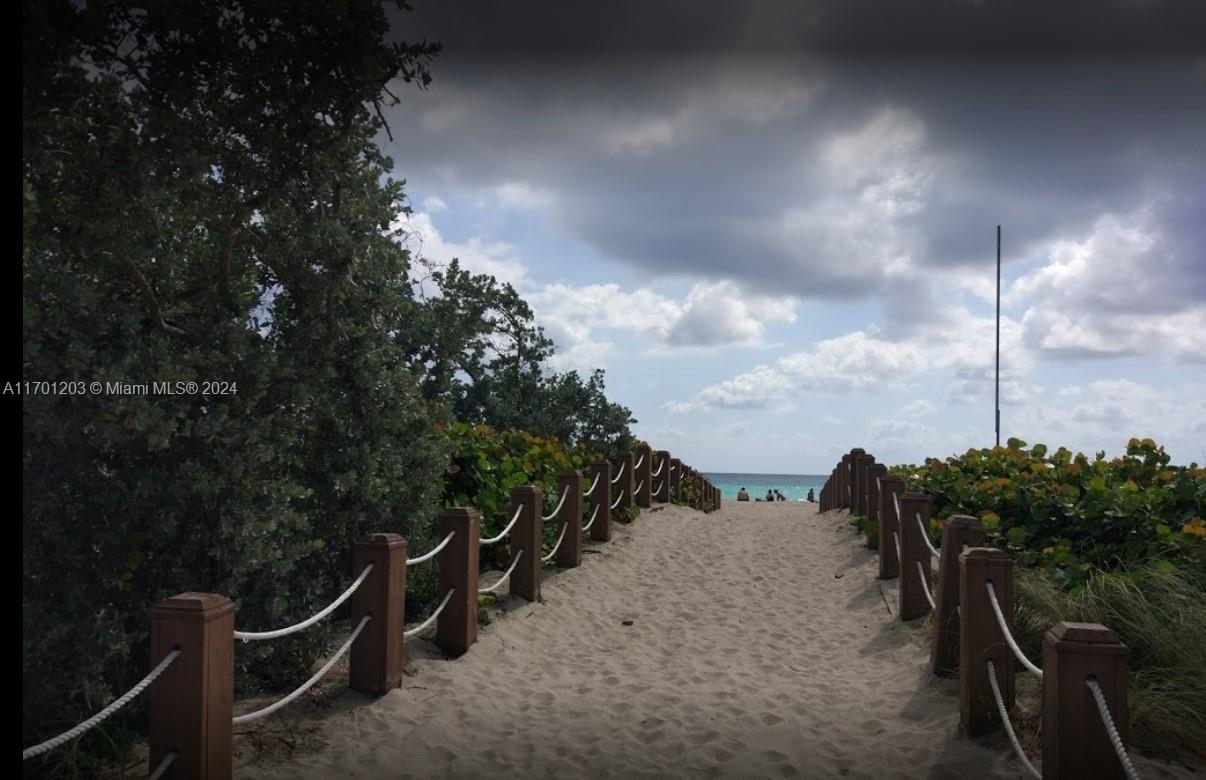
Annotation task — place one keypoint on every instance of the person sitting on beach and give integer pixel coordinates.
(811, 497)
(742, 495)
(779, 496)
(770, 495)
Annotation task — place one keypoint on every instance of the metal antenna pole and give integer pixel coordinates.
(998, 382)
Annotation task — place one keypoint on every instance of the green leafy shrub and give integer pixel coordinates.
(868, 528)
(1068, 515)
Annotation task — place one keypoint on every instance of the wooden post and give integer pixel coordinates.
(623, 488)
(1075, 741)
(862, 466)
(854, 453)
(644, 477)
(527, 536)
(377, 657)
(676, 479)
(913, 583)
(890, 485)
(458, 564)
(958, 532)
(569, 554)
(874, 475)
(192, 701)
(662, 480)
(980, 636)
(600, 501)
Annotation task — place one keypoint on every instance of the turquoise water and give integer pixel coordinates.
(793, 486)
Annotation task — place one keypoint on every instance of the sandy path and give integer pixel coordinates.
(760, 646)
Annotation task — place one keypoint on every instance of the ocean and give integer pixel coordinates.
(793, 486)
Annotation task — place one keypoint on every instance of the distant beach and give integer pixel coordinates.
(794, 486)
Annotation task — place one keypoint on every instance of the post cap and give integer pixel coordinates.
(961, 521)
(1083, 632)
(984, 555)
(382, 540)
(198, 607)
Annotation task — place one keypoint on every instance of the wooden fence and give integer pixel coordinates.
(972, 600)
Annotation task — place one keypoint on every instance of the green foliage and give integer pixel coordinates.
(479, 350)
(486, 466)
(864, 525)
(1159, 614)
(1068, 515)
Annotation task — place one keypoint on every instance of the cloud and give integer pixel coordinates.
(495, 258)
(1132, 285)
(854, 362)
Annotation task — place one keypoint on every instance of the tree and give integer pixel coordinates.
(203, 201)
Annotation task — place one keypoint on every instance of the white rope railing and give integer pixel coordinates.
(640, 460)
(996, 608)
(660, 466)
(557, 546)
(163, 766)
(99, 717)
(271, 708)
(637, 489)
(926, 536)
(503, 578)
(249, 636)
(560, 504)
(593, 515)
(434, 616)
(593, 485)
(658, 490)
(619, 473)
(1013, 738)
(505, 531)
(433, 553)
(1108, 721)
(896, 540)
(925, 587)
(619, 498)
(896, 503)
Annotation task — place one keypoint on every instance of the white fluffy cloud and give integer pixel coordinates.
(420, 235)
(1125, 288)
(854, 362)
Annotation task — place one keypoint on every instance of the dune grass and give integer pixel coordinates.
(1159, 612)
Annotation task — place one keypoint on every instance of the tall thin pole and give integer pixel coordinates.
(998, 381)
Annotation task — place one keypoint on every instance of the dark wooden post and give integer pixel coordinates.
(569, 554)
(644, 477)
(980, 636)
(914, 583)
(600, 501)
(192, 701)
(875, 474)
(662, 480)
(862, 465)
(889, 566)
(850, 496)
(676, 479)
(844, 482)
(958, 532)
(624, 487)
(377, 657)
(458, 564)
(1075, 741)
(527, 536)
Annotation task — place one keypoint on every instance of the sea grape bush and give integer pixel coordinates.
(1067, 514)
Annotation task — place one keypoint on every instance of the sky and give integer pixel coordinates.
(774, 224)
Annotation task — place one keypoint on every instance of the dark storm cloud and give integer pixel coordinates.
(851, 27)
(819, 175)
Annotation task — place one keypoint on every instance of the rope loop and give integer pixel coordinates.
(1013, 645)
(1107, 720)
(619, 498)
(505, 531)
(432, 553)
(101, 716)
(926, 535)
(560, 504)
(593, 485)
(557, 546)
(248, 636)
(434, 616)
(1013, 738)
(506, 575)
(593, 515)
(619, 473)
(271, 708)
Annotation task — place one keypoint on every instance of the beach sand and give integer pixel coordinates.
(761, 645)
